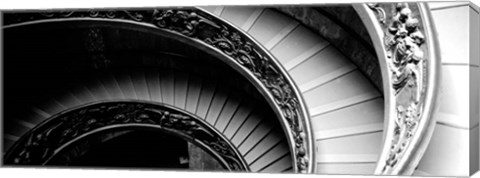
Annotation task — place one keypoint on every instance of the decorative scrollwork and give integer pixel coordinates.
(379, 11)
(407, 63)
(181, 21)
(197, 24)
(40, 145)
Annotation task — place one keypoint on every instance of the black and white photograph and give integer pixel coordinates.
(363, 88)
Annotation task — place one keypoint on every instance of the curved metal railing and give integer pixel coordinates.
(245, 54)
(49, 142)
(405, 42)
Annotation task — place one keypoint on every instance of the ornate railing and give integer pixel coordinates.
(405, 43)
(49, 141)
(246, 55)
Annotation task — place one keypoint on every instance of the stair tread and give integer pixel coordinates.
(230, 108)
(167, 86)
(354, 144)
(326, 61)
(264, 146)
(275, 153)
(339, 168)
(126, 85)
(206, 97)
(217, 105)
(140, 85)
(261, 131)
(268, 25)
(111, 84)
(297, 42)
(369, 112)
(195, 85)
(348, 86)
(181, 86)
(246, 128)
(238, 15)
(281, 164)
(238, 118)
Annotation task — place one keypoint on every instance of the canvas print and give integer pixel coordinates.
(353, 89)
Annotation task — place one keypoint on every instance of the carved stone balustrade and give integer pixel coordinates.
(405, 43)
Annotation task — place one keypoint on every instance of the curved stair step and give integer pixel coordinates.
(246, 127)
(140, 85)
(230, 108)
(342, 103)
(242, 16)
(255, 136)
(109, 81)
(125, 83)
(167, 86)
(348, 89)
(242, 113)
(350, 146)
(195, 84)
(206, 96)
(296, 44)
(340, 168)
(268, 25)
(273, 153)
(181, 89)
(281, 164)
(266, 145)
(327, 61)
(365, 113)
(217, 105)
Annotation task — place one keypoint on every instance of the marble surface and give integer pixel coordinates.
(341, 38)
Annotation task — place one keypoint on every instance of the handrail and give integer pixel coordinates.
(405, 42)
(49, 141)
(247, 55)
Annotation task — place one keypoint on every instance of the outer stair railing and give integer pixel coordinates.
(405, 41)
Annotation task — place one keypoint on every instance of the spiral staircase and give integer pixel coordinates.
(348, 131)
(345, 108)
(345, 104)
(251, 130)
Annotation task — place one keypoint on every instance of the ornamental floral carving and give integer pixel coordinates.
(406, 62)
(39, 146)
(212, 31)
